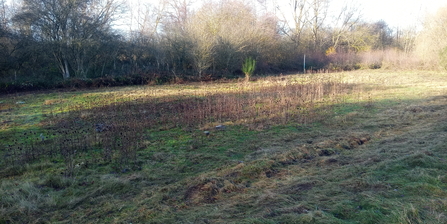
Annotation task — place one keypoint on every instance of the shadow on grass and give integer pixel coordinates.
(279, 155)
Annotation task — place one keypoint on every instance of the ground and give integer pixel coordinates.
(355, 147)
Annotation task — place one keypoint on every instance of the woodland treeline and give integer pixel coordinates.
(46, 43)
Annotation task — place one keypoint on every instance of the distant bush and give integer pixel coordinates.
(108, 81)
(443, 58)
(316, 61)
(386, 59)
(345, 61)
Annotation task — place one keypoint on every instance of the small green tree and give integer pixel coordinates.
(248, 67)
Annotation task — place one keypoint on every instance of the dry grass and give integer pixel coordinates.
(357, 147)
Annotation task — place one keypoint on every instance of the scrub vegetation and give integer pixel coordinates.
(354, 147)
(47, 44)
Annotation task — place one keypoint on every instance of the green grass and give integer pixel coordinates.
(372, 151)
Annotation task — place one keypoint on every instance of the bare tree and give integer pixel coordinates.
(235, 30)
(224, 33)
(319, 12)
(5, 38)
(295, 26)
(175, 42)
(3, 14)
(201, 36)
(432, 40)
(178, 14)
(348, 17)
(304, 22)
(406, 38)
(72, 26)
(145, 18)
(144, 51)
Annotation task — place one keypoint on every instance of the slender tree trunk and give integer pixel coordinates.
(63, 65)
(65, 70)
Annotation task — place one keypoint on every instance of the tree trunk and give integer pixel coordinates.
(65, 71)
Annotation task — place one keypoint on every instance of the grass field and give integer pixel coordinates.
(355, 147)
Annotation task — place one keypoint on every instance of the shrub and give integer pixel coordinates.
(443, 58)
(107, 81)
(248, 67)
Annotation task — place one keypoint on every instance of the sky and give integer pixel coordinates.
(399, 13)
(396, 13)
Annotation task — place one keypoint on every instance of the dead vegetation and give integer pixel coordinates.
(293, 150)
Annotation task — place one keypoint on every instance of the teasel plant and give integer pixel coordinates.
(110, 129)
